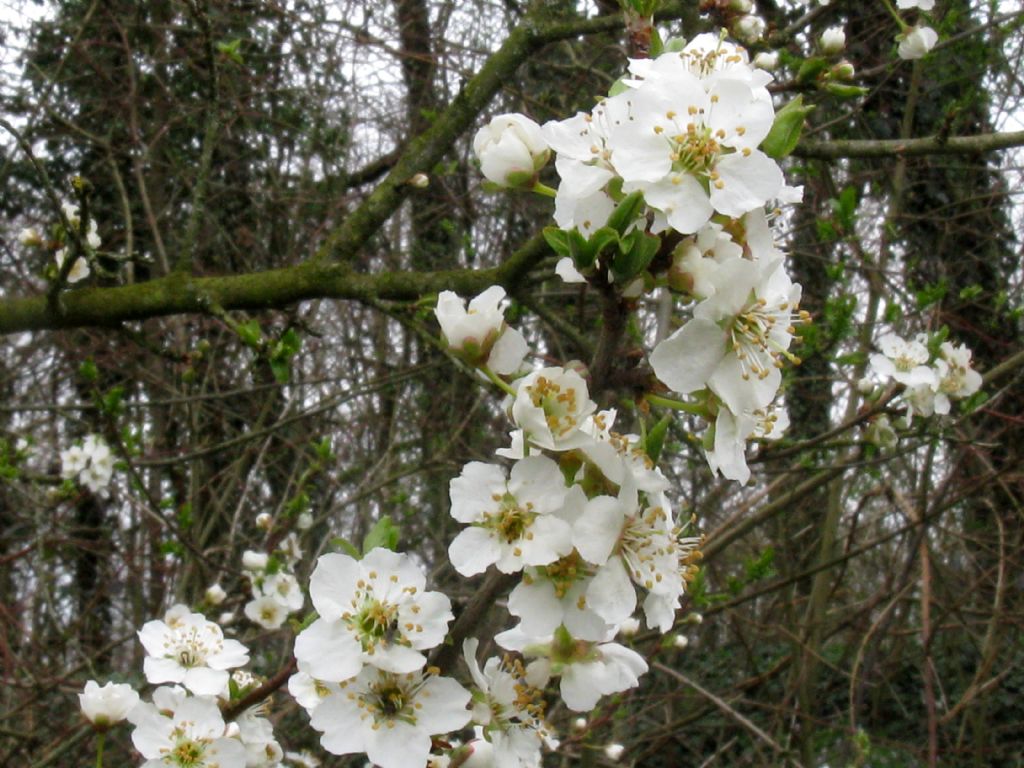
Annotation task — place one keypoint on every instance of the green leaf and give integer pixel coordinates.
(810, 69)
(281, 369)
(558, 240)
(785, 133)
(383, 534)
(250, 333)
(580, 250)
(347, 547)
(88, 370)
(231, 50)
(641, 249)
(626, 211)
(844, 91)
(656, 438)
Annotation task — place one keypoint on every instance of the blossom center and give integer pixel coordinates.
(559, 406)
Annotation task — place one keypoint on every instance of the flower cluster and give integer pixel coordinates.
(90, 461)
(683, 133)
(362, 675)
(930, 381)
(276, 591)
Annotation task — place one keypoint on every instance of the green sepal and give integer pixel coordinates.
(811, 68)
(844, 91)
(655, 440)
(785, 133)
(383, 534)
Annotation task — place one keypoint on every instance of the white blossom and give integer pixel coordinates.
(832, 41)
(186, 648)
(107, 705)
(479, 333)
(551, 406)
(372, 611)
(510, 145)
(184, 731)
(916, 43)
(390, 717)
(522, 520)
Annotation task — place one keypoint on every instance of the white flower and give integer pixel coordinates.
(916, 43)
(30, 236)
(924, 5)
(390, 717)
(79, 270)
(588, 670)
(92, 462)
(522, 520)
(309, 691)
(70, 211)
(267, 611)
(737, 340)
(692, 150)
(184, 731)
(480, 334)
(832, 41)
(284, 588)
(614, 752)
(107, 705)
(905, 361)
(190, 650)
(510, 709)
(954, 375)
(215, 594)
(372, 611)
(510, 145)
(304, 521)
(551, 406)
(257, 736)
(264, 521)
(644, 548)
(920, 399)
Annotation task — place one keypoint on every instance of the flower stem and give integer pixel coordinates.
(544, 189)
(677, 405)
(895, 14)
(499, 382)
(101, 737)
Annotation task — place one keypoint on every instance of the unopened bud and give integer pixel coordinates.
(843, 71)
(264, 521)
(767, 60)
(420, 181)
(629, 627)
(215, 594)
(680, 642)
(832, 41)
(255, 561)
(614, 751)
(304, 522)
(749, 28)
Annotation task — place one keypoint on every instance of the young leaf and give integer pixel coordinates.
(786, 130)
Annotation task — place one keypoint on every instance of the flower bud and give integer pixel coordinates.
(255, 561)
(843, 71)
(264, 521)
(681, 642)
(832, 41)
(614, 751)
(749, 28)
(511, 149)
(106, 706)
(304, 522)
(30, 236)
(215, 594)
(865, 386)
(420, 181)
(741, 6)
(629, 627)
(916, 43)
(767, 60)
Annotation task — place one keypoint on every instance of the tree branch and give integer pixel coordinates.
(929, 145)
